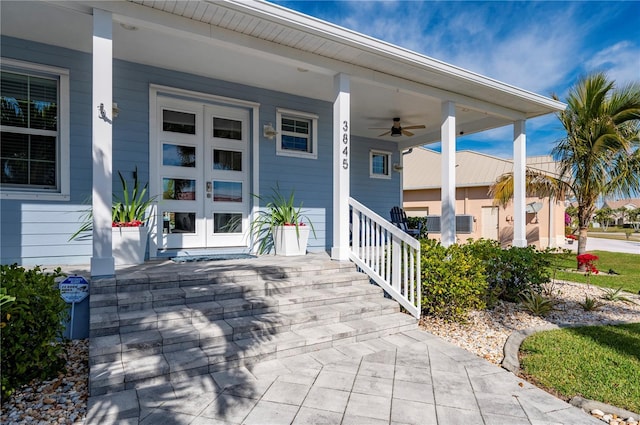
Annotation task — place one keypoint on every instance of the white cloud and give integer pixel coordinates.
(621, 62)
(537, 46)
(523, 44)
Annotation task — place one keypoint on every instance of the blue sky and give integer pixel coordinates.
(541, 46)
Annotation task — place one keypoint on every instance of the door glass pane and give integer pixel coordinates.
(227, 160)
(178, 156)
(227, 191)
(179, 189)
(227, 223)
(179, 222)
(227, 129)
(178, 122)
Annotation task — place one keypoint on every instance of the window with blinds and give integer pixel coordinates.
(29, 143)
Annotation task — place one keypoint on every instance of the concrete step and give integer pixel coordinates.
(152, 367)
(172, 293)
(197, 330)
(243, 273)
(123, 319)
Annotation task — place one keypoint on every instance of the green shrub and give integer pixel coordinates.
(453, 282)
(511, 271)
(590, 304)
(536, 303)
(31, 326)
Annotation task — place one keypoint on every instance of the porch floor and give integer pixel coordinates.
(405, 377)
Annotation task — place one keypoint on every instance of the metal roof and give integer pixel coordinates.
(423, 168)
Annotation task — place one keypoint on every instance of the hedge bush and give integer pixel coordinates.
(453, 282)
(510, 272)
(32, 326)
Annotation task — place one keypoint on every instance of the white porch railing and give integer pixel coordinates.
(387, 254)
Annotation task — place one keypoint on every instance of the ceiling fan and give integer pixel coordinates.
(397, 130)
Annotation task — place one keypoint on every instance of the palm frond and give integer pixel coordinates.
(537, 183)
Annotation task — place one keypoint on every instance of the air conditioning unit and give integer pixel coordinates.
(464, 224)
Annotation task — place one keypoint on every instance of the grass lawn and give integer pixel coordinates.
(627, 265)
(596, 362)
(620, 237)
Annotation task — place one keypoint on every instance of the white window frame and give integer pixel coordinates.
(373, 175)
(313, 118)
(63, 167)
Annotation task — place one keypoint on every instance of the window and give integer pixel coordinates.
(297, 134)
(379, 167)
(34, 123)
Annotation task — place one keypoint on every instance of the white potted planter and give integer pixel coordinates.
(280, 225)
(129, 245)
(288, 242)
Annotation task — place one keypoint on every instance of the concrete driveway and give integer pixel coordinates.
(611, 245)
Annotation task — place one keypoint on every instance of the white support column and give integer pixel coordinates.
(519, 183)
(448, 191)
(341, 166)
(102, 262)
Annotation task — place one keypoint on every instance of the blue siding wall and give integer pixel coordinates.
(380, 195)
(37, 232)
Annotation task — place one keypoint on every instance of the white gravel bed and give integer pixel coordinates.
(486, 331)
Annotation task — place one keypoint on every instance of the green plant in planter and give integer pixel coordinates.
(128, 209)
(278, 210)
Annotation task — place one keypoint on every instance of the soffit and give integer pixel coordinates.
(264, 45)
(285, 27)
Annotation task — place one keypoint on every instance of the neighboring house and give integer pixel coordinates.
(224, 100)
(477, 216)
(616, 205)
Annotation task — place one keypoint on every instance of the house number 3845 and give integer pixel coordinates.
(345, 141)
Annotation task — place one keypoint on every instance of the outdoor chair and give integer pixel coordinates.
(399, 218)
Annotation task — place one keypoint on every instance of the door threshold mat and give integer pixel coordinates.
(211, 257)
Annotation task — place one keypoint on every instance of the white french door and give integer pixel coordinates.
(203, 173)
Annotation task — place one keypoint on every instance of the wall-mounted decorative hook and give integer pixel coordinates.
(102, 113)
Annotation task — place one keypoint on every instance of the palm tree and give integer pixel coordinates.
(600, 155)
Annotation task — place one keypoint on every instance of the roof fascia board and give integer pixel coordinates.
(352, 38)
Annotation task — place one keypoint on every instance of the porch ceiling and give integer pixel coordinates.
(264, 45)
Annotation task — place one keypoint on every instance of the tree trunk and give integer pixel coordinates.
(582, 246)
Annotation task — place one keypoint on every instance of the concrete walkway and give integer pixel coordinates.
(407, 378)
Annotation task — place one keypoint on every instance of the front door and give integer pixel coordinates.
(490, 223)
(204, 175)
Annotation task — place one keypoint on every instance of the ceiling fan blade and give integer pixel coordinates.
(413, 127)
(378, 128)
(385, 133)
(407, 133)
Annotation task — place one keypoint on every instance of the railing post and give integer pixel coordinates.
(355, 231)
(396, 272)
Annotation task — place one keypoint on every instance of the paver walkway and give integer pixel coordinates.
(407, 378)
